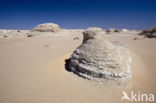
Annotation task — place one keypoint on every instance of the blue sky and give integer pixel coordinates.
(130, 14)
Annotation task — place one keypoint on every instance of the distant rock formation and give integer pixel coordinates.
(124, 30)
(94, 29)
(101, 60)
(4, 33)
(150, 32)
(113, 30)
(47, 27)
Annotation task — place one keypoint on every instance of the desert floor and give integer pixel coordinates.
(32, 70)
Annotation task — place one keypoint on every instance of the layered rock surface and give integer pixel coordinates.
(100, 60)
(47, 27)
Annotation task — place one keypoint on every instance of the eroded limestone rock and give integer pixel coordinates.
(101, 60)
(47, 27)
(95, 29)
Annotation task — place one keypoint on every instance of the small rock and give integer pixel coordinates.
(5, 36)
(29, 35)
(76, 38)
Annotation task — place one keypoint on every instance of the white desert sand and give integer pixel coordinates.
(32, 70)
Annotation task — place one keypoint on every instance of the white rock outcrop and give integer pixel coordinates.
(47, 27)
(94, 29)
(4, 33)
(124, 30)
(100, 60)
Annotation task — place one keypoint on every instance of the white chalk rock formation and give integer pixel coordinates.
(100, 60)
(124, 30)
(94, 29)
(4, 33)
(47, 27)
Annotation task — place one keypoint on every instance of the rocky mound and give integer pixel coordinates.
(150, 32)
(47, 27)
(100, 60)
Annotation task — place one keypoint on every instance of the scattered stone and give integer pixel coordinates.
(47, 27)
(135, 38)
(97, 58)
(112, 30)
(5, 36)
(4, 33)
(116, 30)
(29, 35)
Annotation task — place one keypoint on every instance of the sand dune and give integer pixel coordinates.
(32, 70)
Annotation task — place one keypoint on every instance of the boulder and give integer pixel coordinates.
(47, 27)
(100, 60)
(150, 32)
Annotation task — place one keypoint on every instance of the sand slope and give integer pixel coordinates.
(32, 71)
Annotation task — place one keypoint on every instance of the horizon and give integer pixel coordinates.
(72, 14)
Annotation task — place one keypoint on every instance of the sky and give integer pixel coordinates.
(70, 14)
